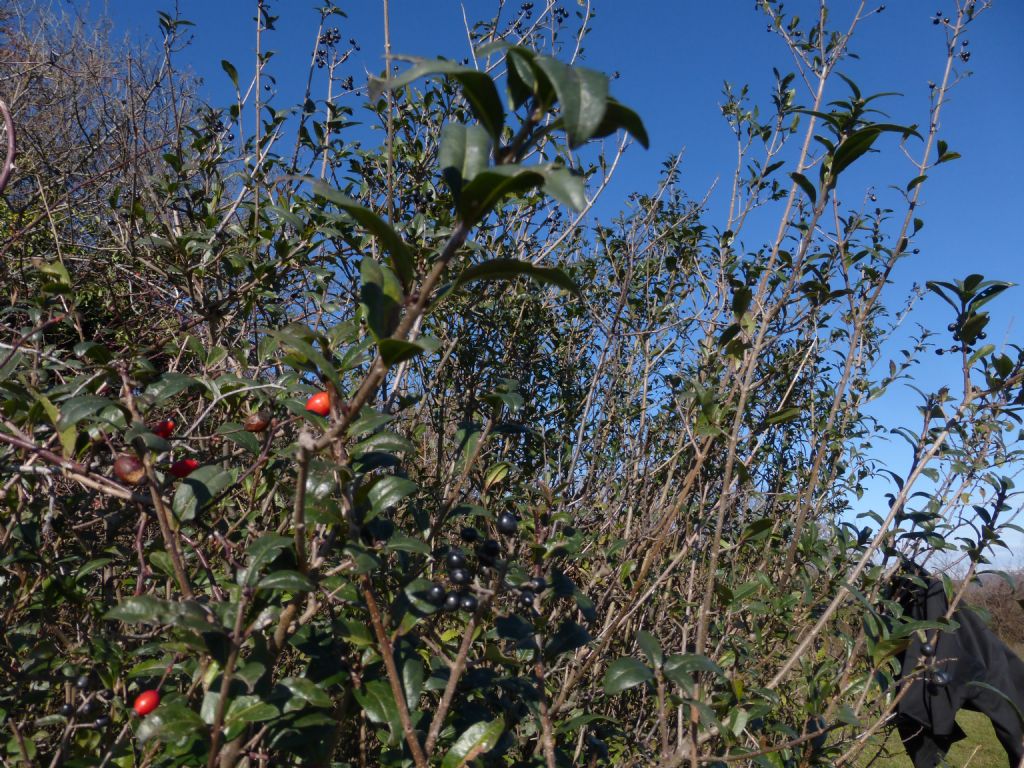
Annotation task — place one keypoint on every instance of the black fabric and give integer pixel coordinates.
(942, 683)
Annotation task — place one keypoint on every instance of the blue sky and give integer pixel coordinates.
(673, 56)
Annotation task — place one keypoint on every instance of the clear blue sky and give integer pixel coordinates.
(673, 56)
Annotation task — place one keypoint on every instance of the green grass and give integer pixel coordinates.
(981, 748)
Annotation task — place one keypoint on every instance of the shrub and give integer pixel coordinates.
(582, 494)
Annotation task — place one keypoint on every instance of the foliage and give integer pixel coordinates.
(626, 455)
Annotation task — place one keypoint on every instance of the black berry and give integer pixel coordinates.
(436, 594)
(507, 523)
(82, 682)
(538, 584)
(451, 602)
(469, 535)
(488, 551)
(102, 722)
(455, 559)
(927, 649)
(467, 603)
(67, 710)
(460, 576)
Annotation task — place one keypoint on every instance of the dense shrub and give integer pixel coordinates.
(576, 494)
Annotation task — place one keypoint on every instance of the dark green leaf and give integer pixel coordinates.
(858, 143)
(465, 151)
(261, 553)
(228, 67)
(290, 581)
(618, 116)
(568, 637)
(474, 741)
(625, 673)
(488, 187)
(477, 87)
(395, 351)
(304, 691)
(582, 97)
(805, 184)
(381, 298)
(198, 489)
(388, 491)
(398, 250)
(565, 186)
(506, 269)
(651, 647)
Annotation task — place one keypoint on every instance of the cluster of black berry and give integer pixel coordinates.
(86, 708)
(215, 126)
(560, 14)
(330, 37)
(938, 18)
(460, 571)
(955, 329)
(965, 55)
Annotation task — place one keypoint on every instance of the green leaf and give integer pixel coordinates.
(228, 67)
(804, 183)
(172, 723)
(248, 709)
(304, 691)
(144, 609)
(413, 675)
(625, 673)
(565, 186)
(474, 741)
(465, 152)
(381, 298)
(568, 637)
(396, 247)
(484, 192)
(382, 442)
(401, 542)
(388, 491)
(856, 145)
(582, 97)
(680, 666)
(651, 647)
(395, 351)
(289, 581)
(477, 87)
(783, 416)
(198, 489)
(78, 408)
(376, 699)
(507, 269)
(261, 553)
(618, 116)
(168, 385)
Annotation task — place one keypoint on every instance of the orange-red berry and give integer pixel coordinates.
(320, 404)
(184, 467)
(164, 428)
(146, 702)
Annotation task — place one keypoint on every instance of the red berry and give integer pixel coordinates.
(163, 428)
(184, 468)
(146, 702)
(320, 404)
